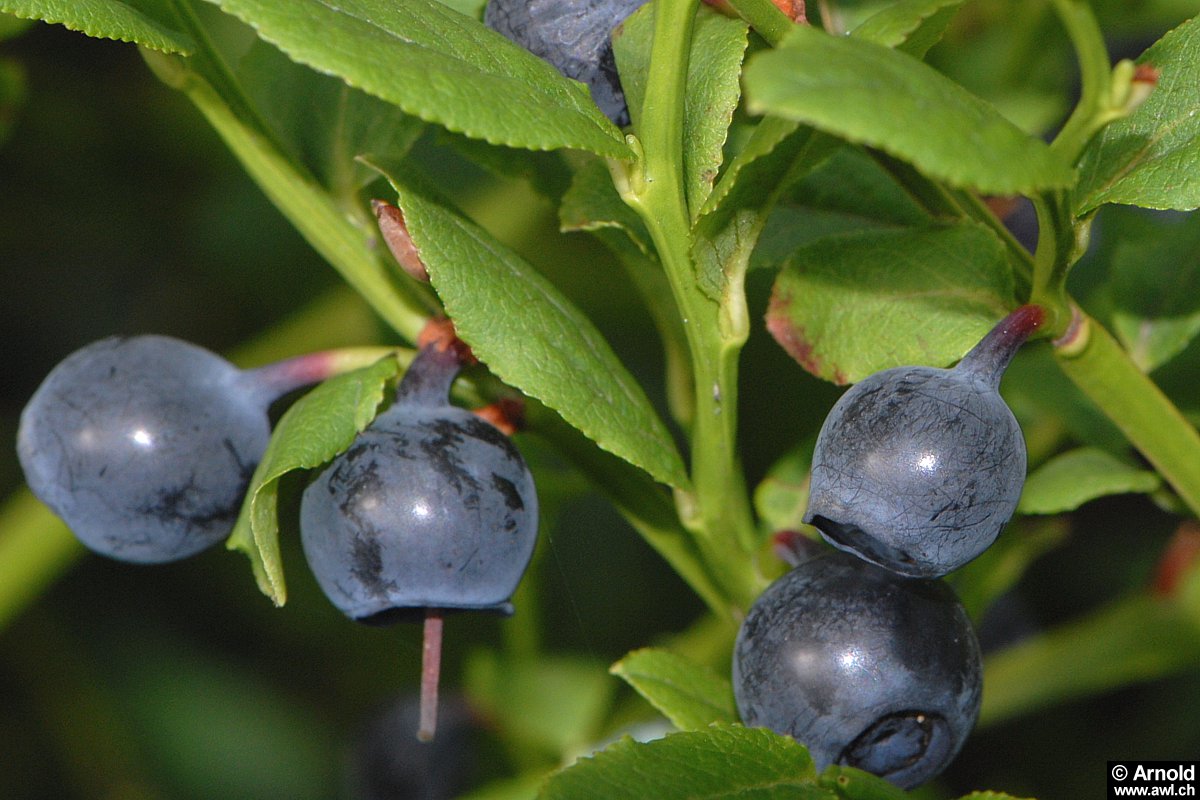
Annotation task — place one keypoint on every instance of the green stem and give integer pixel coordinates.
(717, 511)
(1103, 370)
(1061, 241)
(1095, 72)
(762, 15)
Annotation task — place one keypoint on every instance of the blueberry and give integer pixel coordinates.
(917, 469)
(573, 35)
(144, 445)
(430, 507)
(866, 668)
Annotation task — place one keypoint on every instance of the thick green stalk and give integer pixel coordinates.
(717, 511)
(1103, 370)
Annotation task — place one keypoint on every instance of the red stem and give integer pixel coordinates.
(991, 356)
(431, 668)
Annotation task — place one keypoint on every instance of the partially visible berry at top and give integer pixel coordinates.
(573, 35)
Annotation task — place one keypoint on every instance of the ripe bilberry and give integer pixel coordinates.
(430, 509)
(144, 445)
(864, 667)
(917, 469)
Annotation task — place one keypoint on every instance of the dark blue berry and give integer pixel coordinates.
(573, 35)
(431, 507)
(917, 469)
(144, 445)
(864, 667)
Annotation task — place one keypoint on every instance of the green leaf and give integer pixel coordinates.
(717, 763)
(690, 695)
(847, 306)
(713, 89)
(439, 65)
(313, 431)
(1136, 639)
(854, 784)
(1154, 285)
(1149, 158)
(988, 796)
(913, 26)
(556, 704)
(870, 94)
(1069, 480)
(150, 23)
(533, 338)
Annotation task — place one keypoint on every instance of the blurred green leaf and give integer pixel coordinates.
(35, 548)
(988, 796)
(11, 27)
(713, 89)
(440, 65)
(553, 703)
(870, 94)
(524, 787)
(12, 96)
(913, 26)
(533, 338)
(150, 23)
(1154, 286)
(781, 498)
(718, 763)
(690, 695)
(313, 431)
(1071, 479)
(847, 306)
(1135, 639)
(1149, 158)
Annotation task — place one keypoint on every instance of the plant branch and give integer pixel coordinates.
(1095, 72)
(1103, 370)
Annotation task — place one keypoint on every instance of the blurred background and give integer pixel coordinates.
(122, 212)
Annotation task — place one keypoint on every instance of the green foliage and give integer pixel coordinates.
(688, 694)
(837, 298)
(439, 65)
(150, 23)
(625, 285)
(1068, 481)
(1147, 158)
(312, 432)
(718, 762)
(906, 109)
